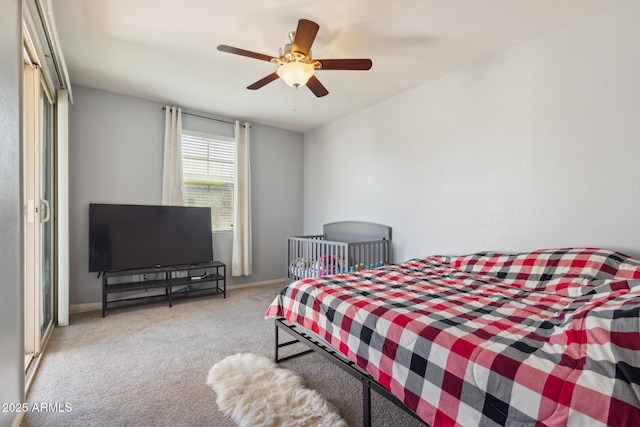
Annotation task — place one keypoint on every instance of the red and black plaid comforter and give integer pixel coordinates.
(548, 338)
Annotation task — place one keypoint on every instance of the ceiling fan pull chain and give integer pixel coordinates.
(295, 91)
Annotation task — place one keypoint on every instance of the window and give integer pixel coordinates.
(208, 167)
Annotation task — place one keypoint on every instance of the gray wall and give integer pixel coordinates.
(537, 147)
(116, 157)
(11, 298)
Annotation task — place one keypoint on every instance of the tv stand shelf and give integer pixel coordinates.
(176, 281)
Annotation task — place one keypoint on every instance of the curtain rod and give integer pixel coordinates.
(205, 117)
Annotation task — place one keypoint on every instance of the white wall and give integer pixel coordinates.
(536, 147)
(116, 157)
(11, 296)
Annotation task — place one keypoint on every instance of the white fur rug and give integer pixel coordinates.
(254, 391)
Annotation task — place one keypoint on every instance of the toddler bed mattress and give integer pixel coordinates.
(325, 265)
(550, 337)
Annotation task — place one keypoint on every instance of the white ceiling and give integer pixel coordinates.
(165, 50)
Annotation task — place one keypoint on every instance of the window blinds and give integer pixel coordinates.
(208, 170)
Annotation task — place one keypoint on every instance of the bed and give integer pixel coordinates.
(546, 338)
(344, 246)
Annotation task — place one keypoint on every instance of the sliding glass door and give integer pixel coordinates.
(46, 214)
(39, 213)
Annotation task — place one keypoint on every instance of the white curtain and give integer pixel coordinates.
(241, 256)
(172, 183)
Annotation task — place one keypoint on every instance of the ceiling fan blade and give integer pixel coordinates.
(263, 81)
(345, 64)
(305, 35)
(242, 52)
(316, 87)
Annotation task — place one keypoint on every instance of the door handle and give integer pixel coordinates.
(45, 203)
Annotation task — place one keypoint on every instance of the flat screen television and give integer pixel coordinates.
(129, 237)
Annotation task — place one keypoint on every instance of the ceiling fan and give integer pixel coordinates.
(297, 68)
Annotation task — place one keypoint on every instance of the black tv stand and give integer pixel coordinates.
(174, 281)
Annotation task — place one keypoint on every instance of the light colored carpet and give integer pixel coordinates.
(255, 392)
(147, 365)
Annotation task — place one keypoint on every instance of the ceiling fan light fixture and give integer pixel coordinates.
(295, 73)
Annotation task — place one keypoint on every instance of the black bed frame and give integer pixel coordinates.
(314, 344)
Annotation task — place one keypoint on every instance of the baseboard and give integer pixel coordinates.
(93, 306)
(252, 284)
(81, 308)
